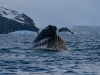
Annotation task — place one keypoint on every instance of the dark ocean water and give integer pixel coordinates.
(83, 58)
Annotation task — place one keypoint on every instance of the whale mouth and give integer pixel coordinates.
(48, 38)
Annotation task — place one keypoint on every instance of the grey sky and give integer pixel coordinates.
(62, 13)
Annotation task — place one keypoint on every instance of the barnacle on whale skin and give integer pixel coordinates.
(48, 38)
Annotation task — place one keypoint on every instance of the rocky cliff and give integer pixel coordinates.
(11, 20)
(65, 29)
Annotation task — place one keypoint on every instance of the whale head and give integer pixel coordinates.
(48, 38)
(48, 32)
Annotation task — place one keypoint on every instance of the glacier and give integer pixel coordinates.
(23, 32)
(86, 29)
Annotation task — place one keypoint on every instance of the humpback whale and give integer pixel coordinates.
(48, 38)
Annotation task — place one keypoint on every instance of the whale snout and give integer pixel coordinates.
(48, 38)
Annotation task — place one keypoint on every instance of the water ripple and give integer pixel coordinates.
(82, 59)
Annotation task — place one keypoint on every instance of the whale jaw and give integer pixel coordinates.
(48, 38)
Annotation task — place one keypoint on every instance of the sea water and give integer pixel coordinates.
(18, 58)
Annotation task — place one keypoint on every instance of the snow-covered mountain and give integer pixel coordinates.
(11, 14)
(86, 29)
(13, 21)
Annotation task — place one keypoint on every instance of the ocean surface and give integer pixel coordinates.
(18, 58)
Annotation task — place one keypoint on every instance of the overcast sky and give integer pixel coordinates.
(62, 13)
